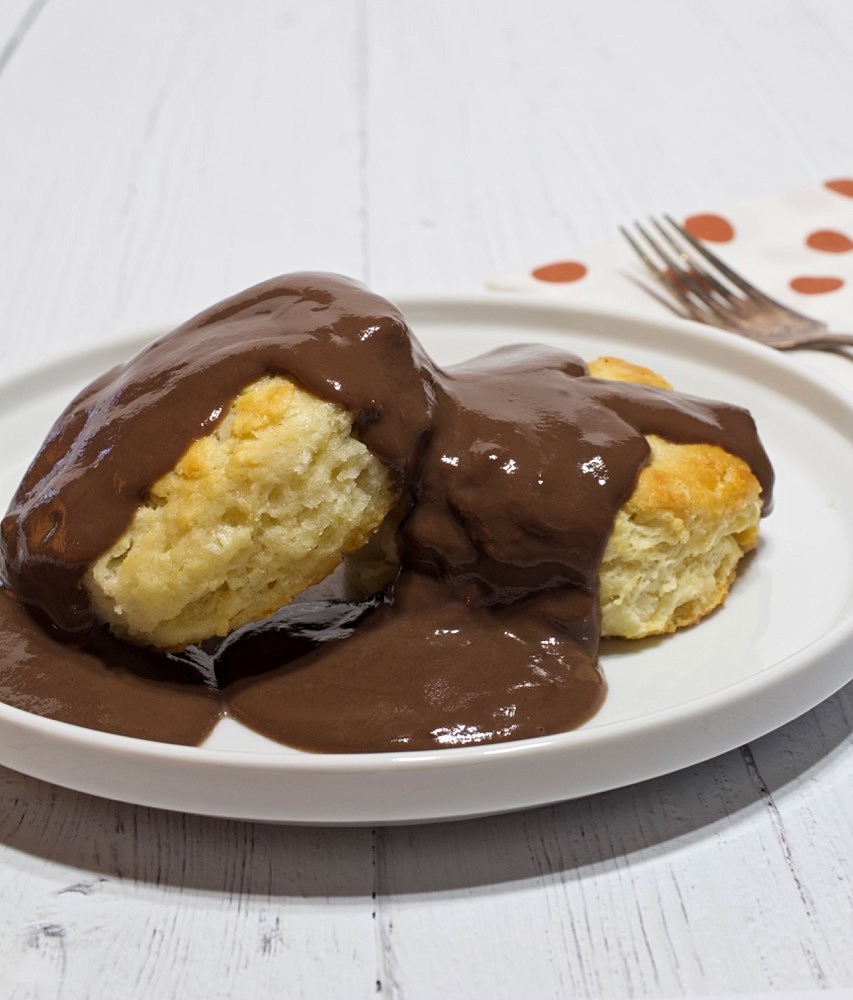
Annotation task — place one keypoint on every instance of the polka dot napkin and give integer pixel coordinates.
(797, 247)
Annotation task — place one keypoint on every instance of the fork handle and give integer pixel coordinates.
(833, 342)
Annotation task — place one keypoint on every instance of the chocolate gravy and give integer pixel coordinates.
(514, 465)
(101, 683)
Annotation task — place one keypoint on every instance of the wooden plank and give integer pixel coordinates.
(168, 153)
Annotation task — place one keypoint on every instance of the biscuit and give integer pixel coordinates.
(275, 498)
(677, 540)
(254, 513)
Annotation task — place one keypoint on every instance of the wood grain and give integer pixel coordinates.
(158, 156)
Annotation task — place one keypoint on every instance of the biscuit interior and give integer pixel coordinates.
(677, 540)
(254, 513)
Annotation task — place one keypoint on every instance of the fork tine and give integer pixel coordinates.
(663, 276)
(673, 289)
(721, 266)
(640, 252)
(683, 283)
(693, 267)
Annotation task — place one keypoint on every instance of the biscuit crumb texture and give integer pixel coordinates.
(679, 537)
(254, 513)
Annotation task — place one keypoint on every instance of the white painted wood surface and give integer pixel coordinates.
(157, 156)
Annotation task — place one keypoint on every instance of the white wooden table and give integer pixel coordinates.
(157, 156)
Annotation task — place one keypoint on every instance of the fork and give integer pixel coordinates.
(709, 291)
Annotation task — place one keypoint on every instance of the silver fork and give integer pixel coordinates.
(709, 291)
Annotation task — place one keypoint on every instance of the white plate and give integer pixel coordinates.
(780, 646)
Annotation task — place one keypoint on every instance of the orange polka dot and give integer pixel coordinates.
(829, 241)
(814, 285)
(710, 228)
(559, 272)
(844, 185)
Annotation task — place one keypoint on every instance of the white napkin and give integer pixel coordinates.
(796, 246)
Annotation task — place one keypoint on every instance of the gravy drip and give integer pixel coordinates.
(514, 463)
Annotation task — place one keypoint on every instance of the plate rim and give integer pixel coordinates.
(238, 762)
